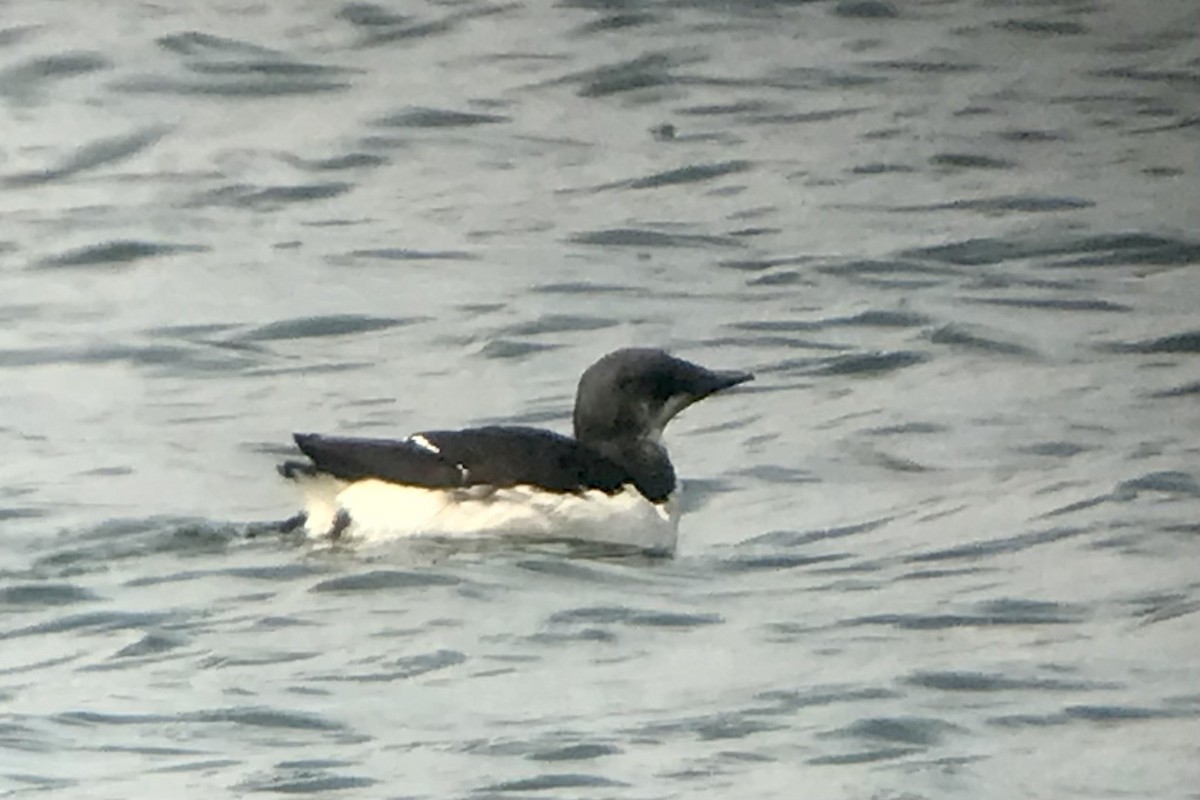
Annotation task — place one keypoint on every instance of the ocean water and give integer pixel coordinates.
(946, 545)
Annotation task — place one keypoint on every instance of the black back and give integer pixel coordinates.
(500, 456)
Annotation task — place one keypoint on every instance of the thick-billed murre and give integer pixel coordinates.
(613, 482)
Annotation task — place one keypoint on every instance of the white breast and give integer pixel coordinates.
(380, 511)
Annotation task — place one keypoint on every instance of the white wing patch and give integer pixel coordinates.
(423, 443)
(381, 511)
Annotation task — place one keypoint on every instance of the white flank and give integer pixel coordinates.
(320, 501)
(381, 511)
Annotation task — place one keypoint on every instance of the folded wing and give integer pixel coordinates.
(497, 456)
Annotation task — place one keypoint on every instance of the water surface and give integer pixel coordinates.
(944, 546)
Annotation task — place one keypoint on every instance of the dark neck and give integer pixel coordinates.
(646, 462)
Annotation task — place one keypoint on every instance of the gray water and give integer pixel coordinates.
(946, 545)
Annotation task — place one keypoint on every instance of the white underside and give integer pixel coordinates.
(380, 511)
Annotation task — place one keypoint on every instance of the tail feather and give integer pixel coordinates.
(294, 469)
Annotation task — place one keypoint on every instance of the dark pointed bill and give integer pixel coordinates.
(700, 383)
(720, 380)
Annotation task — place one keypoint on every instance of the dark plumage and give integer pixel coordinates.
(493, 456)
(623, 403)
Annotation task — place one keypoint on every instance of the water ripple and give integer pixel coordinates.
(99, 153)
(45, 595)
(607, 615)
(243, 716)
(117, 253)
(635, 237)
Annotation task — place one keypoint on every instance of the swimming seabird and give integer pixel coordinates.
(613, 482)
